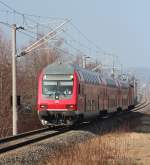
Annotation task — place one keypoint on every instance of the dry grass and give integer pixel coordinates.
(108, 149)
(5, 127)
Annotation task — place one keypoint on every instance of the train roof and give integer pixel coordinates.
(124, 84)
(88, 76)
(84, 75)
(59, 69)
(111, 82)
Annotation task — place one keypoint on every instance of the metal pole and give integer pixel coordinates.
(1, 87)
(14, 107)
(37, 31)
(83, 61)
(113, 67)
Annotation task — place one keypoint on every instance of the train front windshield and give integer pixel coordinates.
(57, 89)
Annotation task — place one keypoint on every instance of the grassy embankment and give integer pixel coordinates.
(111, 149)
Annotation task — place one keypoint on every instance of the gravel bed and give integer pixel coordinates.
(36, 153)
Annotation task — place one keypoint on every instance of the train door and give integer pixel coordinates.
(98, 103)
(85, 102)
(81, 99)
(101, 98)
(103, 95)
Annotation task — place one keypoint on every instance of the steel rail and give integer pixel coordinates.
(8, 144)
(143, 105)
(10, 138)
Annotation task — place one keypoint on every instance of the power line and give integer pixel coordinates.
(33, 32)
(30, 15)
(10, 26)
(26, 17)
(6, 24)
(37, 16)
(8, 6)
(96, 46)
(43, 17)
(74, 40)
(26, 34)
(73, 47)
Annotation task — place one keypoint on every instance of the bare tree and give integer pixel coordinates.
(28, 69)
(5, 85)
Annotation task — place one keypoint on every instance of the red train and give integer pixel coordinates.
(68, 94)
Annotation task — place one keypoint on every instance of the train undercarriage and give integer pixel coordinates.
(55, 118)
(59, 117)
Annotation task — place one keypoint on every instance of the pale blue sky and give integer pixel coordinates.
(121, 27)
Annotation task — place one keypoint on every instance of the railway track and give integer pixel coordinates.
(141, 107)
(20, 140)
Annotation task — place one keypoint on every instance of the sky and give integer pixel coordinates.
(120, 27)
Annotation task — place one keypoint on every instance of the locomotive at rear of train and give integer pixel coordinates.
(68, 94)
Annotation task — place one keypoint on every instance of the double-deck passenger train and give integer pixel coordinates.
(68, 94)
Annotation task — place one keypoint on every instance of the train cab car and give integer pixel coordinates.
(57, 94)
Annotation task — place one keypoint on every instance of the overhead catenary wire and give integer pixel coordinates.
(66, 42)
(6, 24)
(25, 15)
(75, 41)
(90, 41)
(37, 16)
(8, 6)
(59, 49)
(35, 33)
(26, 34)
(31, 15)
(46, 37)
(48, 27)
(28, 17)
(25, 18)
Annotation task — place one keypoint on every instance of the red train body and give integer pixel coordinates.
(68, 94)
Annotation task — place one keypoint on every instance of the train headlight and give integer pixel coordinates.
(71, 77)
(43, 106)
(71, 107)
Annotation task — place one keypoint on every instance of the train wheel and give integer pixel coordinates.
(119, 109)
(103, 113)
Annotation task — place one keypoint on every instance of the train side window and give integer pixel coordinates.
(105, 92)
(79, 90)
(82, 90)
(79, 76)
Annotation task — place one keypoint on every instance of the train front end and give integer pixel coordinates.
(57, 95)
